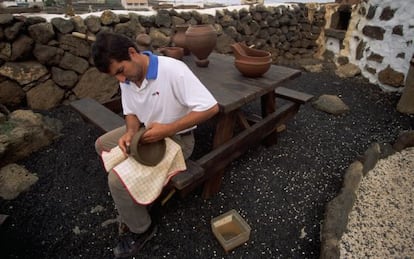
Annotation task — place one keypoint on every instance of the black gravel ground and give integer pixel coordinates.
(281, 191)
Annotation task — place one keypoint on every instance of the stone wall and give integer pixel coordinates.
(42, 64)
(379, 40)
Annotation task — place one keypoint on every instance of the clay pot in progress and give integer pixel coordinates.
(201, 40)
(149, 154)
(174, 52)
(179, 38)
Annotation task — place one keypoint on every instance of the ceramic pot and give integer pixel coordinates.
(201, 40)
(252, 68)
(179, 38)
(242, 52)
(174, 52)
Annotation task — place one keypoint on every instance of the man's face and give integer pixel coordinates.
(128, 70)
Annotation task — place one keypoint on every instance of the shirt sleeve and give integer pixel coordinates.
(126, 106)
(190, 91)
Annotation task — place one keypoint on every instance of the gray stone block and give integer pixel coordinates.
(336, 215)
(353, 176)
(370, 158)
(406, 139)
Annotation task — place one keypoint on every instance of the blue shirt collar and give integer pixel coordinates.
(152, 71)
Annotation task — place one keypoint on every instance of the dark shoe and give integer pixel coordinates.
(131, 243)
(122, 229)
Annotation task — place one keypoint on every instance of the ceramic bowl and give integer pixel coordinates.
(252, 68)
(244, 53)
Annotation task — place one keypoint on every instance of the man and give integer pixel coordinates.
(160, 93)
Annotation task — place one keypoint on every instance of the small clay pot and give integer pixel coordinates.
(174, 52)
(252, 68)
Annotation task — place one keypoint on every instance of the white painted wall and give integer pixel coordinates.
(391, 45)
(8, 3)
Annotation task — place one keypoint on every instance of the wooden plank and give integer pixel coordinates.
(231, 89)
(240, 143)
(292, 95)
(241, 118)
(224, 132)
(253, 118)
(268, 106)
(98, 114)
(194, 171)
(218, 159)
(274, 77)
(271, 79)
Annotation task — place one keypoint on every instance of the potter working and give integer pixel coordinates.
(163, 95)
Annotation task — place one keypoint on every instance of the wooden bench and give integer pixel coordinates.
(106, 120)
(295, 99)
(104, 117)
(293, 95)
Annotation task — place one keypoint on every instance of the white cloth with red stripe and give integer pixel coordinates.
(145, 183)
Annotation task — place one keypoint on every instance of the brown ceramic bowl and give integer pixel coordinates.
(252, 68)
(255, 52)
(243, 52)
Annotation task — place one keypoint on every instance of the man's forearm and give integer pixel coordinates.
(132, 124)
(194, 118)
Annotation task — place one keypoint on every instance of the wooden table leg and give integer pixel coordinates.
(268, 103)
(224, 131)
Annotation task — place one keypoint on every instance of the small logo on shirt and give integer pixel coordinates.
(155, 93)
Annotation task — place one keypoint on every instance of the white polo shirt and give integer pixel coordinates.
(169, 92)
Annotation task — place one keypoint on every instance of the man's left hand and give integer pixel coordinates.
(156, 131)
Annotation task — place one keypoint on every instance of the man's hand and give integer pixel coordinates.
(132, 127)
(124, 142)
(157, 131)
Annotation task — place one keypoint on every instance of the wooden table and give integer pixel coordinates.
(232, 91)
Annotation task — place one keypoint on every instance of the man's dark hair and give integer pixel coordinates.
(110, 46)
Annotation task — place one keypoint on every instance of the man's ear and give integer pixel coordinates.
(132, 51)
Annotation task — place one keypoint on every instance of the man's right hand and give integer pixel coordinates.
(132, 127)
(124, 142)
